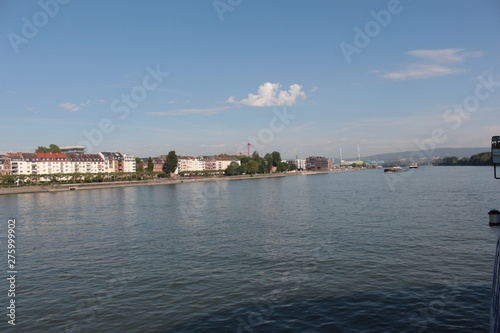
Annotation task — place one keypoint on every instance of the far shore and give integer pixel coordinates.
(158, 181)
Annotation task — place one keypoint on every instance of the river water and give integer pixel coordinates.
(357, 251)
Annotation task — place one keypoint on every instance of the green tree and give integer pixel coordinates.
(282, 166)
(292, 167)
(172, 162)
(480, 159)
(464, 161)
(243, 168)
(269, 161)
(276, 158)
(150, 164)
(253, 167)
(232, 169)
(264, 166)
(245, 159)
(450, 160)
(52, 149)
(138, 164)
(8, 179)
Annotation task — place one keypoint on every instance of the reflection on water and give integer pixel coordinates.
(338, 252)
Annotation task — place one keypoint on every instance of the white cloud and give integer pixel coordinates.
(33, 109)
(268, 94)
(70, 106)
(437, 64)
(188, 112)
(422, 71)
(314, 89)
(303, 126)
(102, 100)
(176, 101)
(73, 107)
(444, 55)
(221, 145)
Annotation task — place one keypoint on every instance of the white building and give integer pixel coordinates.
(24, 163)
(88, 163)
(129, 164)
(301, 164)
(73, 150)
(223, 162)
(60, 163)
(201, 163)
(190, 163)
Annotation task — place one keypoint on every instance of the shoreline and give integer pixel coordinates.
(158, 181)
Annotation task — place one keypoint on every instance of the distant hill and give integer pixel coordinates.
(438, 152)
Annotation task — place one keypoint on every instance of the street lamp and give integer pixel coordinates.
(494, 221)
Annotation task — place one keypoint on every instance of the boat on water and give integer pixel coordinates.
(393, 169)
(413, 165)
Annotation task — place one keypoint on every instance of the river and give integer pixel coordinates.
(358, 251)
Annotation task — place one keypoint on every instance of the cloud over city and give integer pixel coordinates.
(188, 112)
(422, 71)
(269, 94)
(436, 63)
(445, 55)
(73, 107)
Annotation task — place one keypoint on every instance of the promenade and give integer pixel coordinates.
(159, 181)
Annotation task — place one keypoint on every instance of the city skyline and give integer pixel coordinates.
(204, 78)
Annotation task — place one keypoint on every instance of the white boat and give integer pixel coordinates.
(413, 165)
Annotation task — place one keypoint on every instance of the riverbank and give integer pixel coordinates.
(159, 181)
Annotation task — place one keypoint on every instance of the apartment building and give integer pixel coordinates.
(87, 163)
(158, 164)
(317, 163)
(301, 164)
(190, 163)
(61, 163)
(223, 162)
(201, 163)
(50, 163)
(129, 164)
(115, 162)
(5, 166)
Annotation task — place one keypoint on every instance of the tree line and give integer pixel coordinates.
(477, 159)
(256, 164)
(76, 178)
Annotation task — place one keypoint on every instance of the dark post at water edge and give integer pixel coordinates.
(494, 217)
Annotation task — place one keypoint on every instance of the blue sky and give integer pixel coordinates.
(206, 77)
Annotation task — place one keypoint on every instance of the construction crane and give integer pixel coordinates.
(234, 153)
(240, 152)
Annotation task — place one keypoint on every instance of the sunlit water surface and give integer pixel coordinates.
(357, 251)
